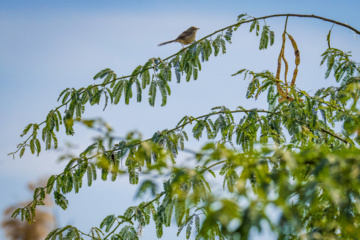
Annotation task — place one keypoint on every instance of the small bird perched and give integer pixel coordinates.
(186, 37)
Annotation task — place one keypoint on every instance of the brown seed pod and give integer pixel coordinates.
(297, 58)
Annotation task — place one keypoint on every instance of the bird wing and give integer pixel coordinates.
(184, 34)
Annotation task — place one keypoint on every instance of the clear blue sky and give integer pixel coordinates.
(46, 46)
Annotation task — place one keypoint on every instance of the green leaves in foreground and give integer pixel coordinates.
(293, 185)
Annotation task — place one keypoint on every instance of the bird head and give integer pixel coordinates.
(194, 28)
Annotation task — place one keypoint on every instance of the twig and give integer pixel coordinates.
(145, 205)
(220, 30)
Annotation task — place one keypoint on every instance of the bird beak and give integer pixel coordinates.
(197, 28)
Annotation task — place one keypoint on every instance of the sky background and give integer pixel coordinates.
(47, 46)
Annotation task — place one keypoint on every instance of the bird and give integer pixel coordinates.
(186, 37)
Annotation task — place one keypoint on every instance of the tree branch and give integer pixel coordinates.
(285, 15)
(145, 205)
(220, 30)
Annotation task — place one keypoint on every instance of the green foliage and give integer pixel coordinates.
(60, 200)
(128, 232)
(148, 184)
(266, 36)
(108, 222)
(339, 62)
(285, 160)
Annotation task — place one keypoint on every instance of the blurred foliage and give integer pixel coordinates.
(283, 166)
(44, 220)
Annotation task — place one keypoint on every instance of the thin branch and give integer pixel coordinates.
(334, 135)
(24, 142)
(220, 30)
(82, 233)
(182, 126)
(168, 131)
(286, 15)
(215, 113)
(213, 165)
(145, 205)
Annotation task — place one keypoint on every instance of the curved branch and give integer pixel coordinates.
(145, 205)
(182, 126)
(286, 15)
(167, 58)
(146, 140)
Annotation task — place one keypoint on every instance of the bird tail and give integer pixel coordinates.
(161, 44)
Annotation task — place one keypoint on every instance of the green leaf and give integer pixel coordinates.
(103, 73)
(104, 174)
(113, 81)
(50, 184)
(60, 200)
(197, 223)
(138, 90)
(32, 146)
(64, 91)
(16, 213)
(264, 39)
(152, 93)
(177, 72)
(272, 38)
(53, 136)
(93, 171)
(77, 182)
(26, 129)
(223, 47)
(22, 151)
(106, 101)
(195, 73)
(215, 45)
(253, 24)
(169, 73)
(145, 79)
(128, 232)
(198, 129)
(128, 91)
(144, 187)
(108, 222)
(328, 36)
(107, 79)
(117, 91)
(89, 175)
(241, 16)
(179, 211)
(53, 234)
(188, 229)
(238, 72)
(67, 94)
(163, 91)
(189, 73)
(90, 96)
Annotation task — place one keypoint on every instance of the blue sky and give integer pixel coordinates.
(47, 46)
